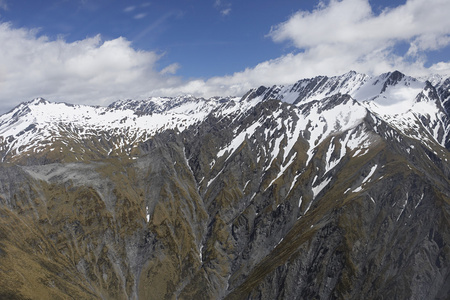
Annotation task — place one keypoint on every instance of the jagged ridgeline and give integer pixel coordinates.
(331, 188)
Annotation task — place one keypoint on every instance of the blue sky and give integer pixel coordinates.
(207, 38)
(98, 51)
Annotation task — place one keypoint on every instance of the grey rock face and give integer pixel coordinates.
(310, 199)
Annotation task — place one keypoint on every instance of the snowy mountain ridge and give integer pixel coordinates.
(32, 125)
(409, 105)
(400, 100)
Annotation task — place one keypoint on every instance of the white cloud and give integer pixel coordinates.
(352, 21)
(341, 36)
(129, 8)
(170, 69)
(226, 12)
(348, 33)
(90, 71)
(140, 16)
(223, 7)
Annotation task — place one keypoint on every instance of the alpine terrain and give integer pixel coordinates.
(330, 188)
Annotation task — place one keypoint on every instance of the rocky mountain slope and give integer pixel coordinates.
(331, 188)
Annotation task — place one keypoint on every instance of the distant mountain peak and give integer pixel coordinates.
(39, 100)
(396, 98)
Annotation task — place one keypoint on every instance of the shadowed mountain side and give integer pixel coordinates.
(332, 188)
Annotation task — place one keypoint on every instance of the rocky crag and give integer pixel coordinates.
(331, 188)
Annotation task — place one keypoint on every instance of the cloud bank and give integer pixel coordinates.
(346, 35)
(89, 71)
(335, 37)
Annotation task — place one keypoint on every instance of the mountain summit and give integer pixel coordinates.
(333, 187)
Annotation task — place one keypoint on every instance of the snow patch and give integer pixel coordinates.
(239, 139)
(317, 189)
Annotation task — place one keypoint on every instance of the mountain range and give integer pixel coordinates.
(330, 188)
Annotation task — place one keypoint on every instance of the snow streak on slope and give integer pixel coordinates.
(407, 107)
(312, 122)
(325, 118)
(239, 139)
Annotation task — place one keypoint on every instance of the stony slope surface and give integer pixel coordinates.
(329, 188)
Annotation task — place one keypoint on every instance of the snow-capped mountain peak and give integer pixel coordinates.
(393, 97)
(411, 106)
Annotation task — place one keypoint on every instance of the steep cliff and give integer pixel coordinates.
(332, 188)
